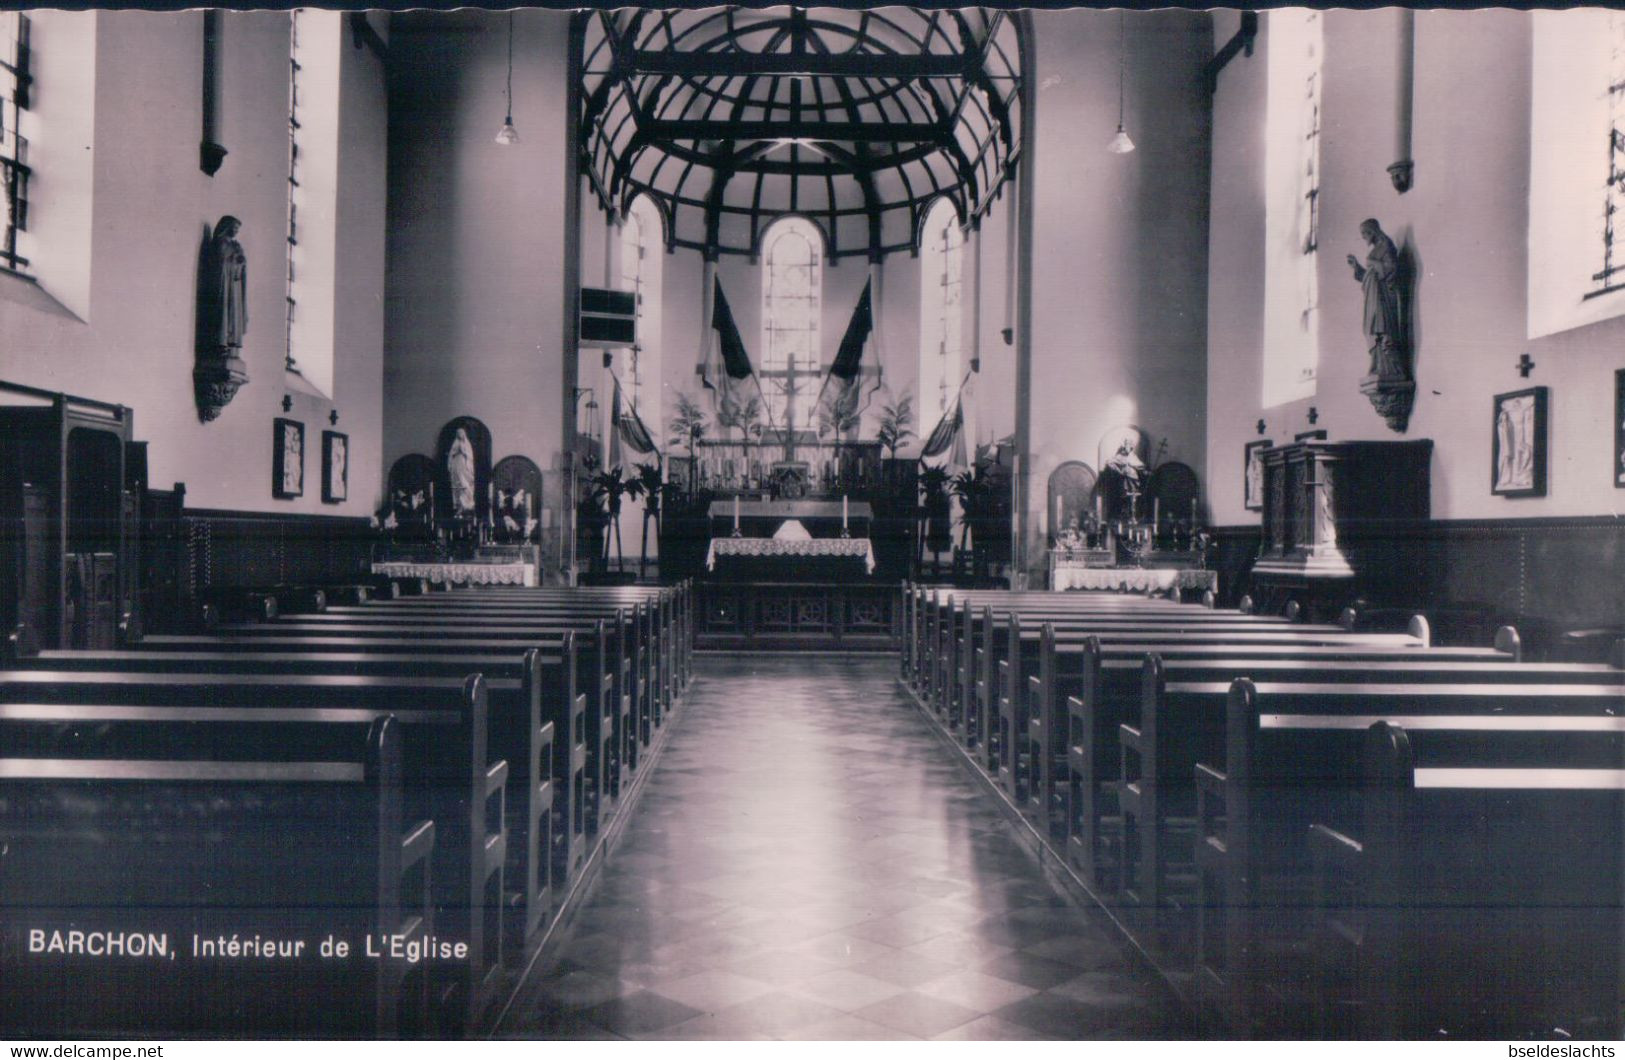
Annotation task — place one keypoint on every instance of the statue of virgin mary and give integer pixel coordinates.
(460, 472)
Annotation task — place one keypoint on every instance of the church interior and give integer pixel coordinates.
(812, 523)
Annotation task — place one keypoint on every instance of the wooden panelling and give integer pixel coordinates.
(1544, 575)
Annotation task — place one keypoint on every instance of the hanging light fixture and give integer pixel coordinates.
(508, 134)
(1121, 144)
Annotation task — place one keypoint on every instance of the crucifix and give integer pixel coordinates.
(786, 385)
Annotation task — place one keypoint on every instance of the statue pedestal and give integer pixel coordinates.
(1391, 397)
(215, 381)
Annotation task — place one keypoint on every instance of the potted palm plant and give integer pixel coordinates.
(896, 424)
(609, 488)
(651, 485)
(687, 429)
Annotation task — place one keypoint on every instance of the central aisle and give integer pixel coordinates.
(807, 861)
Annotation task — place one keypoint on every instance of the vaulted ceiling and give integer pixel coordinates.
(858, 120)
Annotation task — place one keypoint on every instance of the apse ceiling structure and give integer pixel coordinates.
(855, 119)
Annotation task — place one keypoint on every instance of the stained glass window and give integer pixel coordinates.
(792, 299)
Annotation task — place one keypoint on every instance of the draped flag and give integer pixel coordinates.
(630, 426)
(728, 364)
(838, 399)
(946, 430)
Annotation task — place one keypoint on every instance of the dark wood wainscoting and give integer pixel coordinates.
(1546, 576)
(190, 553)
(801, 616)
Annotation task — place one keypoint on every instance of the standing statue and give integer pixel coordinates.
(222, 319)
(460, 471)
(227, 289)
(1388, 381)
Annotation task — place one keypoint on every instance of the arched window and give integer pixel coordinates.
(941, 309)
(792, 298)
(641, 263)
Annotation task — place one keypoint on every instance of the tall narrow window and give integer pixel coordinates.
(15, 82)
(293, 180)
(641, 262)
(316, 40)
(1576, 170)
(792, 299)
(1292, 216)
(941, 308)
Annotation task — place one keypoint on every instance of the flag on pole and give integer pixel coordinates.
(630, 426)
(728, 363)
(946, 430)
(838, 399)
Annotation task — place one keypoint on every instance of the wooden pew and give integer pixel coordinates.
(1183, 721)
(540, 847)
(450, 779)
(1291, 759)
(665, 627)
(1101, 687)
(631, 675)
(1009, 744)
(599, 740)
(1473, 890)
(127, 835)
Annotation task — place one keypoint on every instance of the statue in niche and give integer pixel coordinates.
(1387, 383)
(460, 473)
(222, 319)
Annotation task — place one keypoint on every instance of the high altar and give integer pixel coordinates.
(790, 540)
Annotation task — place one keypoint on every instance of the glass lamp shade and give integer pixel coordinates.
(509, 135)
(1121, 144)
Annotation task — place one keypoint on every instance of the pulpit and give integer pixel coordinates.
(1322, 502)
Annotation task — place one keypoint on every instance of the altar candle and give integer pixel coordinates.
(1193, 513)
(1100, 508)
(736, 513)
(843, 511)
(1059, 514)
(431, 495)
(1156, 510)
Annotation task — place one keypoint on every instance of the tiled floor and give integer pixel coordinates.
(808, 862)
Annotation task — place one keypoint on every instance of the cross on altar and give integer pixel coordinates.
(783, 386)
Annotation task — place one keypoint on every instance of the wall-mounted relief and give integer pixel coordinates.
(1252, 474)
(335, 467)
(1385, 282)
(288, 458)
(1518, 444)
(218, 371)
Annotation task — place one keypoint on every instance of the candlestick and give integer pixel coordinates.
(843, 511)
(736, 515)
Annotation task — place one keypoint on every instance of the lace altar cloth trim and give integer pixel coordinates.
(1135, 579)
(767, 546)
(461, 573)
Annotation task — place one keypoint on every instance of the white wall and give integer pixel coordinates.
(1465, 221)
(129, 338)
(475, 319)
(1119, 328)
